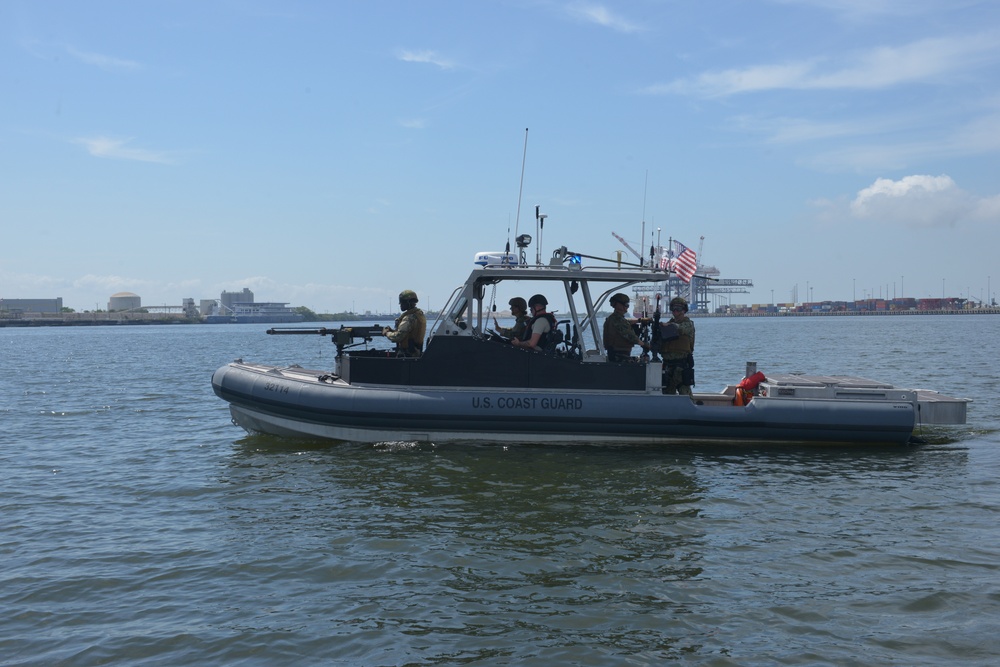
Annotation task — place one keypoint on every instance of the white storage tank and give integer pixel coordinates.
(124, 301)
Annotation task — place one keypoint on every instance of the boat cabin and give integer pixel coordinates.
(463, 350)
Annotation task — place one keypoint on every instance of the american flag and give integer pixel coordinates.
(682, 261)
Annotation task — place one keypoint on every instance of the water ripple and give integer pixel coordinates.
(141, 527)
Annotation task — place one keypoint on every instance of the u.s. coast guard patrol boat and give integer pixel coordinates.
(470, 385)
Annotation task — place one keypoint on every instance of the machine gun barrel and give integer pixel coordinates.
(341, 337)
(353, 332)
(323, 331)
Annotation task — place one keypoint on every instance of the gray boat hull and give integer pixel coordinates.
(471, 385)
(299, 402)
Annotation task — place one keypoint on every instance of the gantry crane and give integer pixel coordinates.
(633, 250)
(698, 292)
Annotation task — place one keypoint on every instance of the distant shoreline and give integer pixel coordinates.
(108, 319)
(28, 323)
(854, 313)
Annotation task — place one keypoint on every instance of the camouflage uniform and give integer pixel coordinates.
(409, 333)
(678, 355)
(619, 337)
(410, 327)
(516, 331)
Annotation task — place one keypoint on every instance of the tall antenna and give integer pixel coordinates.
(520, 189)
(506, 252)
(645, 183)
(540, 226)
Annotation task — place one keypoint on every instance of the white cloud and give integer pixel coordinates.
(110, 283)
(108, 147)
(602, 16)
(252, 283)
(859, 9)
(988, 209)
(430, 57)
(413, 123)
(17, 284)
(733, 81)
(922, 60)
(915, 201)
(882, 67)
(875, 156)
(102, 61)
(931, 141)
(980, 135)
(785, 130)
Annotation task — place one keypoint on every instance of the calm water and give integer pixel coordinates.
(140, 527)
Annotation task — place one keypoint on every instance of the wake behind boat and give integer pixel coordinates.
(472, 385)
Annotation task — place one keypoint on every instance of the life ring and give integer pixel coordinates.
(745, 389)
(742, 397)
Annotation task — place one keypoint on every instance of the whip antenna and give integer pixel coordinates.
(520, 189)
(506, 253)
(645, 185)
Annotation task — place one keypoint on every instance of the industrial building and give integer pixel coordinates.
(240, 307)
(13, 307)
(231, 307)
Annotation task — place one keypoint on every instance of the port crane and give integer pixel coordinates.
(698, 292)
(625, 243)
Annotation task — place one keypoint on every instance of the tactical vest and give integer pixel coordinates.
(413, 344)
(614, 339)
(544, 339)
(680, 346)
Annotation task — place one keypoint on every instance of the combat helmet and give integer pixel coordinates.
(519, 302)
(619, 298)
(679, 302)
(408, 295)
(536, 299)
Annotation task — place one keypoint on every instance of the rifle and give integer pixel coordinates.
(656, 339)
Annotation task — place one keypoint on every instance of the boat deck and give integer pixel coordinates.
(932, 407)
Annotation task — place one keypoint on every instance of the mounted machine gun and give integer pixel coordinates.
(343, 337)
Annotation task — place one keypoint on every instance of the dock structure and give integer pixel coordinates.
(699, 293)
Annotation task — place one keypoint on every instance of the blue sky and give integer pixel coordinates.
(330, 154)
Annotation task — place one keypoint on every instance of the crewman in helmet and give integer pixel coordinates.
(409, 328)
(536, 332)
(519, 309)
(678, 353)
(619, 337)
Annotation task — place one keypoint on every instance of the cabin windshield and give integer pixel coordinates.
(577, 298)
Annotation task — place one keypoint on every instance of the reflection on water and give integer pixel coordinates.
(494, 542)
(685, 551)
